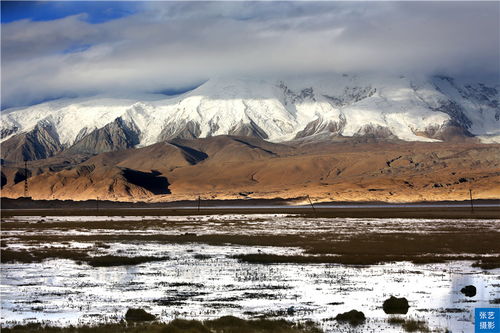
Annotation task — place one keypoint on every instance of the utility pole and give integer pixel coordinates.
(314, 209)
(471, 203)
(25, 178)
(97, 204)
(199, 203)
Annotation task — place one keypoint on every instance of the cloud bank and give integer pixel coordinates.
(171, 45)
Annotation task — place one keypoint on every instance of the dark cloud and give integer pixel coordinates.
(168, 45)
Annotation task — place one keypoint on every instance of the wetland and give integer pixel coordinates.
(300, 271)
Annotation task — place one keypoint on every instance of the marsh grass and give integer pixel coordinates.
(444, 242)
(410, 325)
(80, 256)
(414, 325)
(492, 262)
(41, 254)
(351, 259)
(227, 324)
(109, 261)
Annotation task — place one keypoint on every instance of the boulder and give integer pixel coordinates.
(469, 291)
(352, 317)
(394, 305)
(138, 315)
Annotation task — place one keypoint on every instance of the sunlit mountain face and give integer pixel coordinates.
(314, 108)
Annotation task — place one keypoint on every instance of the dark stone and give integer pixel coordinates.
(138, 315)
(352, 317)
(469, 291)
(394, 305)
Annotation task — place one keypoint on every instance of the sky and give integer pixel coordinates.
(52, 49)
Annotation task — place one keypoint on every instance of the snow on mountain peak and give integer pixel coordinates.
(280, 110)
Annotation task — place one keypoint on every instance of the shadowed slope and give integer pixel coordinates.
(39, 143)
(151, 181)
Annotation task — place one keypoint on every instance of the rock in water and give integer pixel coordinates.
(469, 291)
(138, 315)
(353, 317)
(394, 305)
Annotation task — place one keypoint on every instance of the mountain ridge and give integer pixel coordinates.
(439, 108)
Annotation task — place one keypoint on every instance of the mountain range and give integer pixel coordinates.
(333, 137)
(438, 108)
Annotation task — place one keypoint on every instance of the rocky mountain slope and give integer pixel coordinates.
(235, 167)
(311, 109)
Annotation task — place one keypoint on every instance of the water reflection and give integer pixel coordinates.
(204, 281)
(66, 292)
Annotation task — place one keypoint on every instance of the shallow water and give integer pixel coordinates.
(255, 224)
(203, 281)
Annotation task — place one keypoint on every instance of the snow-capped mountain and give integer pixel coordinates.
(276, 110)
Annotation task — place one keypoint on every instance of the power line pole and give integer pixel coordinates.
(471, 203)
(314, 209)
(199, 203)
(25, 178)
